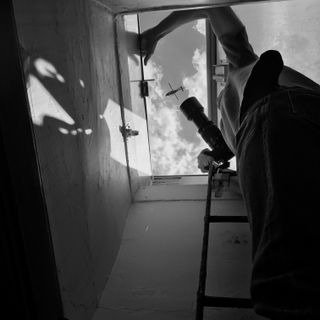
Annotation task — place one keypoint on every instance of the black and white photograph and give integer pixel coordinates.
(159, 159)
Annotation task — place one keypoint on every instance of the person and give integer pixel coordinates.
(271, 122)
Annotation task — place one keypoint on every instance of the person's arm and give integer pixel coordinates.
(232, 35)
(150, 37)
(223, 21)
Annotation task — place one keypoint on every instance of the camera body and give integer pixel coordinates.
(210, 133)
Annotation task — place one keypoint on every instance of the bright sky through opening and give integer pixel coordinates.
(290, 27)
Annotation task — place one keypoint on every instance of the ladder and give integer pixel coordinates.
(202, 299)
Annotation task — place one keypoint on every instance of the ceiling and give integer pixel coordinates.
(130, 6)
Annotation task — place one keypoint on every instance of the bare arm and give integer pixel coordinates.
(177, 19)
(223, 20)
(150, 37)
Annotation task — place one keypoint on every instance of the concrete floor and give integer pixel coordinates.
(155, 275)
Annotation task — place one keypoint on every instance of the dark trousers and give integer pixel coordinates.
(278, 154)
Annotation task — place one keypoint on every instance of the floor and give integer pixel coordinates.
(156, 272)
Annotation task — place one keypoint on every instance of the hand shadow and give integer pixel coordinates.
(133, 46)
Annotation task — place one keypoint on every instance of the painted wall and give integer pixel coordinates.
(156, 272)
(75, 108)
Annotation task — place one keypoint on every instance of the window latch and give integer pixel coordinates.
(220, 72)
(144, 88)
(127, 132)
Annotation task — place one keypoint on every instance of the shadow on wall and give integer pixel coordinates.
(70, 67)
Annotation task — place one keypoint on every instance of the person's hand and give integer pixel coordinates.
(204, 160)
(148, 42)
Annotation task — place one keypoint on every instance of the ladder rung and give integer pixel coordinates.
(228, 219)
(224, 302)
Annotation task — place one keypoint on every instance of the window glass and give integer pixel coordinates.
(179, 61)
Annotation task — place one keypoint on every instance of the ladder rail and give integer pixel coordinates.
(204, 253)
(202, 299)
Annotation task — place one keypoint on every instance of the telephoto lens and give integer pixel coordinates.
(210, 133)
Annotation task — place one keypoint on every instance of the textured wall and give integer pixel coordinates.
(74, 101)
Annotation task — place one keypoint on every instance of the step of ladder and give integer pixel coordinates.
(228, 219)
(225, 302)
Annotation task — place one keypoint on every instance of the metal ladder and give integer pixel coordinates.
(202, 299)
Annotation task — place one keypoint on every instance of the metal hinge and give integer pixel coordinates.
(127, 132)
(220, 72)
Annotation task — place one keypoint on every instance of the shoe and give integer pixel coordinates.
(264, 77)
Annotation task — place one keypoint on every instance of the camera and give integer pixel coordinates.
(210, 133)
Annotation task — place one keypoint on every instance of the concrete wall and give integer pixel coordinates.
(74, 103)
(156, 272)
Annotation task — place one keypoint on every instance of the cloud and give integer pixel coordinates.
(197, 83)
(154, 71)
(171, 153)
(200, 26)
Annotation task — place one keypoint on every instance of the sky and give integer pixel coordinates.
(174, 141)
(292, 27)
